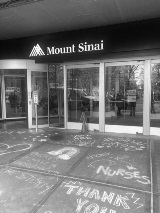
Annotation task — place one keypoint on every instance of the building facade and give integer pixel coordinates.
(109, 74)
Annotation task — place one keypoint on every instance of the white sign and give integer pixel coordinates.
(81, 47)
(35, 97)
(131, 95)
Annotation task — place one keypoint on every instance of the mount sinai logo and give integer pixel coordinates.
(80, 48)
(37, 50)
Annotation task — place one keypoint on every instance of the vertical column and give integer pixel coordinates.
(3, 99)
(29, 98)
(147, 97)
(117, 83)
(108, 86)
(102, 98)
(91, 93)
(65, 97)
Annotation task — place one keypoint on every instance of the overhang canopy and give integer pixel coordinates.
(23, 18)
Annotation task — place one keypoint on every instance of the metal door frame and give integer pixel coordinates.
(29, 95)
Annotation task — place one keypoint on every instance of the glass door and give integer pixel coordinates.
(155, 98)
(83, 95)
(0, 95)
(39, 83)
(15, 96)
(56, 95)
(124, 97)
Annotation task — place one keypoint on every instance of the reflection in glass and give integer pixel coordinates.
(124, 95)
(0, 94)
(15, 96)
(56, 95)
(155, 96)
(39, 83)
(83, 94)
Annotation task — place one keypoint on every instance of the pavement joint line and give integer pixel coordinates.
(107, 184)
(43, 172)
(39, 204)
(78, 162)
(66, 176)
(53, 173)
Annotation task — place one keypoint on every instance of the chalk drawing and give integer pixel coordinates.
(69, 152)
(7, 149)
(33, 181)
(36, 164)
(112, 168)
(108, 200)
(82, 140)
(1, 192)
(126, 144)
(21, 132)
(109, 155)
(43, 140)
(48, 160)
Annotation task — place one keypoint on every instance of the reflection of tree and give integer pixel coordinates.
(129, 75)
(155, 81)
(56, 75)
(14, 101)
(84, 79)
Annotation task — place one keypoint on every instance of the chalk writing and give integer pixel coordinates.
(21, 132)
(7, 149)
(69, 152)
(126, 144)
(38, 161)
(110, 168)
(108, 201)
(107, 154)
(6, 132)
(82, 140)
(48, 160)
(43, 140)
(42, 184)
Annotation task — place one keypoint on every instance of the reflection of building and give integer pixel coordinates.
(86, 79)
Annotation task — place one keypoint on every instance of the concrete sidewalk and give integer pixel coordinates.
(62, 171)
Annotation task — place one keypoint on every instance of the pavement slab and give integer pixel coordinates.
(156, 203)
(124, 143)
(156, 165)
(76, 139)
(21, 191)
(84, 197)
(110, 166)
(9, 150)
(64, 171)
(51, 158)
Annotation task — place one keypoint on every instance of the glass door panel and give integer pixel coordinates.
(15, 96)
(56, 96)
(0, 95)
(155, 95)
(83, 94)
(39, 83)
(124, 95)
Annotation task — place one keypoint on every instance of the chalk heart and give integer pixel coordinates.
(65, 153)
(6, 149)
